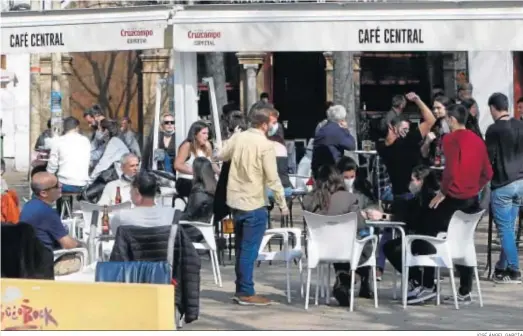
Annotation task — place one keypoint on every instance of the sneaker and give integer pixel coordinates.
(254, 300)
(421, 294)
(379, 274)
(462, 299)
(498, 273)
(508, 277)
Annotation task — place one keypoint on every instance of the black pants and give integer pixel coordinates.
(363, 272)
(183, 187)
(434, 221)
(392, 250)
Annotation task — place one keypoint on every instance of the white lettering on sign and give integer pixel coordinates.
(36, 40)
(390, 36)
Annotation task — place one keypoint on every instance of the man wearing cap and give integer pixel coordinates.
(464, 92)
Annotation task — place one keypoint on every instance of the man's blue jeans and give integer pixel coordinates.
(505, 203)
(67, 188)
(249, 228)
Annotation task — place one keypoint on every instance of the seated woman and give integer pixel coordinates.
(200, 205)
(423, 220)
(360, 186)
(196, 145)
(115, 148)
(282, 163)
(354, 182)
(330, 197)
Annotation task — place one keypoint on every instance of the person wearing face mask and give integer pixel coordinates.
(419, 219)
(400, 152)
(130, 165)
(332, 140)
(253, 168)
(330, 197)
(114, 149)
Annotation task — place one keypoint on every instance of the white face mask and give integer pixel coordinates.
(272, 130)
(349, 183)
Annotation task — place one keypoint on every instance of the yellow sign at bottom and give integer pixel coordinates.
(57, 305)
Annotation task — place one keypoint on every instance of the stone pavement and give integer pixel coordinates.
(502, 309)
(503, 304)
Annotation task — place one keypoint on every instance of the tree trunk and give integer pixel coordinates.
(34, 117)
(215, 66)
(344, 87)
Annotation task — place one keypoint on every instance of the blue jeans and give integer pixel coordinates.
(505, 203)
(71, 188)
(249, 228)
(385, 237)
(386, 195)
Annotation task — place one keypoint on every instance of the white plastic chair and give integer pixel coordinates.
(80, 251)
(209, 244)
(333, 239)
(455, 247)
(287, 254)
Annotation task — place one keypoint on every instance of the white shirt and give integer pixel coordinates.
(69, 158)
(143, 216)
(109, 193)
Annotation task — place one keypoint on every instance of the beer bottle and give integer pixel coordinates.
(105, 221)
(118, 198)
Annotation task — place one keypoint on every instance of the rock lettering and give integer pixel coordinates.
(390, 36)
(36, 40)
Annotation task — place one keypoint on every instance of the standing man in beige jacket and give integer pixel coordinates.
(253, 168)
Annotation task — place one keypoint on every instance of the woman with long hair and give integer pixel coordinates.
(423, 220)
(330, 197)
(114, 148)
(432, 140)
(472, 120)
(201, 198)
(195, 145)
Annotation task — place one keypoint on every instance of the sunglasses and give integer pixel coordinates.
(56, 186)
(168, 122)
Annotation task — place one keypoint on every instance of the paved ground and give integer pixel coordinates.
(503, 303)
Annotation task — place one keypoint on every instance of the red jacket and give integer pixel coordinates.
(467, 165)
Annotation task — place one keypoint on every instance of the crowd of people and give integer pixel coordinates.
(425, 173)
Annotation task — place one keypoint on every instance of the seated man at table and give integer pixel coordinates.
(330, 197)
(146, 213)
(69, 159)
(129, 164)
(46, 221)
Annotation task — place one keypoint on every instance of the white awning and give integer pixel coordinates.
(429, 26)
(79, 30)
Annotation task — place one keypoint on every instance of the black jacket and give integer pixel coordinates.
(148, 155)
(134, 243)
(221, 209)
(23, 255)
(199, 206)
